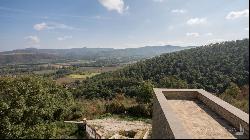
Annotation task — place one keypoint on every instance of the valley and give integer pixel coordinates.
(108, 89)
(124, 69)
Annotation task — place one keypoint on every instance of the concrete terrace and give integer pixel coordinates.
(196, 114)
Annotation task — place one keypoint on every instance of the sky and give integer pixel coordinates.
(62, 24)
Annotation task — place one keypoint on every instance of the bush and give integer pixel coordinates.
(76, 112)
(233, 90)
(115, 108)
(139, 111)
(32, 107)
(145, 92)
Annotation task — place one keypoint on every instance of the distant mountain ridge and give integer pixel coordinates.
(27, 55)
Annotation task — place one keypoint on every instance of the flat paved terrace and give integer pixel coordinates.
(196, 114)
(199, 121)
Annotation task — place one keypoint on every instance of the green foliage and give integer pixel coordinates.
(126, 106)
(62, 72)
(237, 97)
(233, 90)
(108, 88)
(115, 108)
(172, 82)
(145, 92)
(139, 110)
(32, 107)
(90, 109)
(76, 111)
(212, 67)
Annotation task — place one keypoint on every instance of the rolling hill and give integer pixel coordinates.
(17, 58)
(215, 68)
(36, 55)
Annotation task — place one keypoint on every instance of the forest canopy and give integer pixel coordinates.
(211, 67)
(34, 107)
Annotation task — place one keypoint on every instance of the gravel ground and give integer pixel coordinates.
(110, 127)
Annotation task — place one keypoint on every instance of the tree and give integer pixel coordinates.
(211, 67)
(172, 82)
(33, 107)
(145, 92)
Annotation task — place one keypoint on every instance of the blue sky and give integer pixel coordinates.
(120, 23)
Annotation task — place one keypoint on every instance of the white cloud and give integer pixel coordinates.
(64, 38)
(50, 26)
(179, 11)
(116, 5)
(193, 34)
(209, 34)
(171, 27)
(196, 21)
(41, 26)
(32, 39)
(238, 14)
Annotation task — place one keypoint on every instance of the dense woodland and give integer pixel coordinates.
(35, 106)
(213, 67)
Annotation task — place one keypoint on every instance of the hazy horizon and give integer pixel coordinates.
(122, 48)
(119, 24)
(97, 47)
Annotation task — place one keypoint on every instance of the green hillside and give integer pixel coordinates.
(31, 104)
(214, 67)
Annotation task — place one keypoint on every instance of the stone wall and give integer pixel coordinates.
(91, 133)
(232, 114)
(160, 126)
(164, 124)
(180, 95)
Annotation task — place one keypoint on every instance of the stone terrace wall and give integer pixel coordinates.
(161, 128)
(165, 125)
(232, 114)
(180, 95)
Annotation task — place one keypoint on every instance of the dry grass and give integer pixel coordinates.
(82, 76)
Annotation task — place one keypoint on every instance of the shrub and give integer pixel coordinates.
(139, 111)
(115, 108)
(233, 90)
(32, 107)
